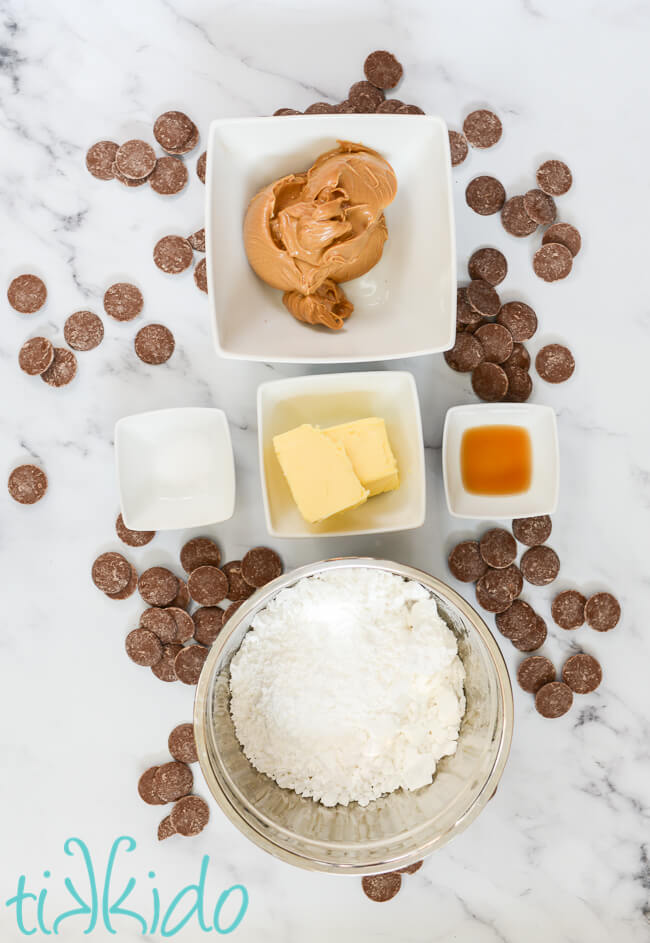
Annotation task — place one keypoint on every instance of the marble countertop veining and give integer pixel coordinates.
(562, 852)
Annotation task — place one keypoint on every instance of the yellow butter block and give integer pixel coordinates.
(318, 472)
(366, 443)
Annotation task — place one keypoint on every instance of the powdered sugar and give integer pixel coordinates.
(348, 686)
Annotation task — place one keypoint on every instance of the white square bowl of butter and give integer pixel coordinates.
(404, 306)
(368, 426)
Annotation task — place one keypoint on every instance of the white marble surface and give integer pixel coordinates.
(561, 853)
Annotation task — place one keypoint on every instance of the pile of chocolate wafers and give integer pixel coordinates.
(490, 564)
(490, 337)
(173, 782)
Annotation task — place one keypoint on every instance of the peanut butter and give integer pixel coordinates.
(306, 232)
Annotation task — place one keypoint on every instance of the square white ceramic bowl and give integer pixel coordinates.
(540, 498)
(327, 400)
(404, 306)
(175, 468)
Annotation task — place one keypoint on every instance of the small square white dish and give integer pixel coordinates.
(175, 468)
(540, 498)
(328, 400)
(404, 306)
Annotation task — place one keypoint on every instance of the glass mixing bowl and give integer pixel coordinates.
(394, 830)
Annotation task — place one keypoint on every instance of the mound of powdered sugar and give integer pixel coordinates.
(348, 686)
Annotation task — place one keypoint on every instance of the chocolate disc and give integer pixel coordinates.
(409, 110)
(238, 588)
(160, 622)
(568, 609)
(208, 585)
(166, 829)
(532, 531)
(565, 235)
(498, 548)
(483, 298)
(123, 301)
(189, 145)
(321, 108)
(201, 276)
(129, 589)
(201, 165)
(489, 382)
(182, 598)
(111, 572)
(62, 370)
(553, 699)
(165, 669)
(174, 130)
(208, 622)
(126, 181)
(482, 128)
(493, 594)
(260, 565)
(517, 621)
(190, 815)
(381, 887)
(170, 176)
(231, 610)
(100, 158)
(531, 639)
(485, 195)
(496, 342)
(283, 111)
(173, 254)
(457, 146)
(154, 344)
(582, 673)
(465, 313)
(519, 356)
(197, 240)
(143, 647)
(158, 586)
(540, 207)
(27, 484)
(411, 868)
(27, 294)
(520, 385)
(465, 355)
(35, 356)
(509, 577)
(135, 159)
(189, 662)
(552, 262)
(83, 330)
(466, 563)
(172, 781)
(200, 551)
(182, 745)
(520, 319)
(602, 612)
(555, 363)
(133, 538)
(365, 97)
(488, 264)
(184, 624)
(554, 177)
(388, 107)
(540, 565)
(515, 219)
(382, 69)
(534, 672)
(146, 788)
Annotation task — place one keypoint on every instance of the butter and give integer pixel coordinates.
(319, 473)
(366, 444)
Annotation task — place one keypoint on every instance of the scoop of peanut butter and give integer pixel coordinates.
(307, 232)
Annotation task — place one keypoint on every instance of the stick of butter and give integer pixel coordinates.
(366, 443)
(318, 472)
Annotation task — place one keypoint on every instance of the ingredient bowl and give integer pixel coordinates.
(397, 829)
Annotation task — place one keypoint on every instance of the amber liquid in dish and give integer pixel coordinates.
(496, 460)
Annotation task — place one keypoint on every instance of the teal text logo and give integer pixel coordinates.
(101, 899)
